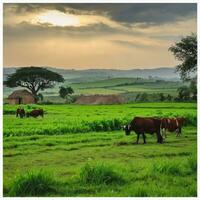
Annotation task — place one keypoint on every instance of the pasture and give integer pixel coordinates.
(87, 154)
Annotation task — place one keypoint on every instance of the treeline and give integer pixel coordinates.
(184, 94)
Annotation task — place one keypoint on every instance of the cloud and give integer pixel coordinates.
(125, 13)
(118, 35)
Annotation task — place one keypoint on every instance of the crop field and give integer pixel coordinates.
(113, 86)
(123, 85)
(81, 150)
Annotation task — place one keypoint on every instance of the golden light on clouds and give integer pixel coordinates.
(57, 18)
(94, 36)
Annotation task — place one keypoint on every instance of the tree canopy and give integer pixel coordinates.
(186, 52)
(64, 91)
(34, 79)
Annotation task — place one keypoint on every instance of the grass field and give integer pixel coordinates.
(87, 154)
(113, 86)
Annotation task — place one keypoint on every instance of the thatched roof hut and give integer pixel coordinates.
(21, 97)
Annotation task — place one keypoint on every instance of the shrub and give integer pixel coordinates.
(99, 174)
(33, 183)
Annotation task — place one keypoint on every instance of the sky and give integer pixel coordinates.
(92, 35)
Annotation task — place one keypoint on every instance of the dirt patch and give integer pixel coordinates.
(100, 99)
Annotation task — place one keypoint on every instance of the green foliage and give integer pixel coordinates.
(100, 174)
(33, 183)
(65, 91)
(186, 52)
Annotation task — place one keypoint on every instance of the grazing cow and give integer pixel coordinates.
(35, 113)
(20, 112)
(142, 125)
(171, 125)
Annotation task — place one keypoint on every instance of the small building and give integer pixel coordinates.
(21, 97)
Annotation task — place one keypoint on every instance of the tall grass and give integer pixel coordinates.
(100, 174)
(167, 167)
(33, 183)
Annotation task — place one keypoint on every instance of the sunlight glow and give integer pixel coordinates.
(56, 18)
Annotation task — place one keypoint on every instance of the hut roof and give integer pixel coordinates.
(19, 93)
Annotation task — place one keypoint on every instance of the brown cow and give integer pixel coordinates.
(142, 125)
(35, 113)
(171, 125)
(20, 112)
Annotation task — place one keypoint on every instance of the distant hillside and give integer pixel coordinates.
(75, 76)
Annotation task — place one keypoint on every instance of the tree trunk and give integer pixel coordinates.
(34, 93)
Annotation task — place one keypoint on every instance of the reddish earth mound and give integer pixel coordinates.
(99, 99)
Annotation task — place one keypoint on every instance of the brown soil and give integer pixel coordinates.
(99, 99)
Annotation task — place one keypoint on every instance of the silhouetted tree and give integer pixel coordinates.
(34, 79)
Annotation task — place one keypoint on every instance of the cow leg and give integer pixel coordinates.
(144, 138)
(178, 132)
(165, 133)
(138, 136)
(159, 137)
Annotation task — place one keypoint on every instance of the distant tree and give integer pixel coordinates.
(184, 93)
(161, 97)
(143, 97)
(186, 52)
(193, 89)
(34, 79)
(169, 97)
(65, 91)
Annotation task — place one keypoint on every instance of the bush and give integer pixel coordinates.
(33, 183)
(99, 174)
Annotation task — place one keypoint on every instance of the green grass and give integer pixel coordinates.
(95, 162)
(99, 174)
(63, 119)
(33, 183)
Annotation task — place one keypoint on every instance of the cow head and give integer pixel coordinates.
(127, 129)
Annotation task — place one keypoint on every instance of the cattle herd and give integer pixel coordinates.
(151, 125)
(140, 125)
(34, 113)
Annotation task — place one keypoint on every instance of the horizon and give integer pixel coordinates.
(81, 36)
(85, 69)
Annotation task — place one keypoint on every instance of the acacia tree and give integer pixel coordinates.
(34, 79)
(186, 52)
